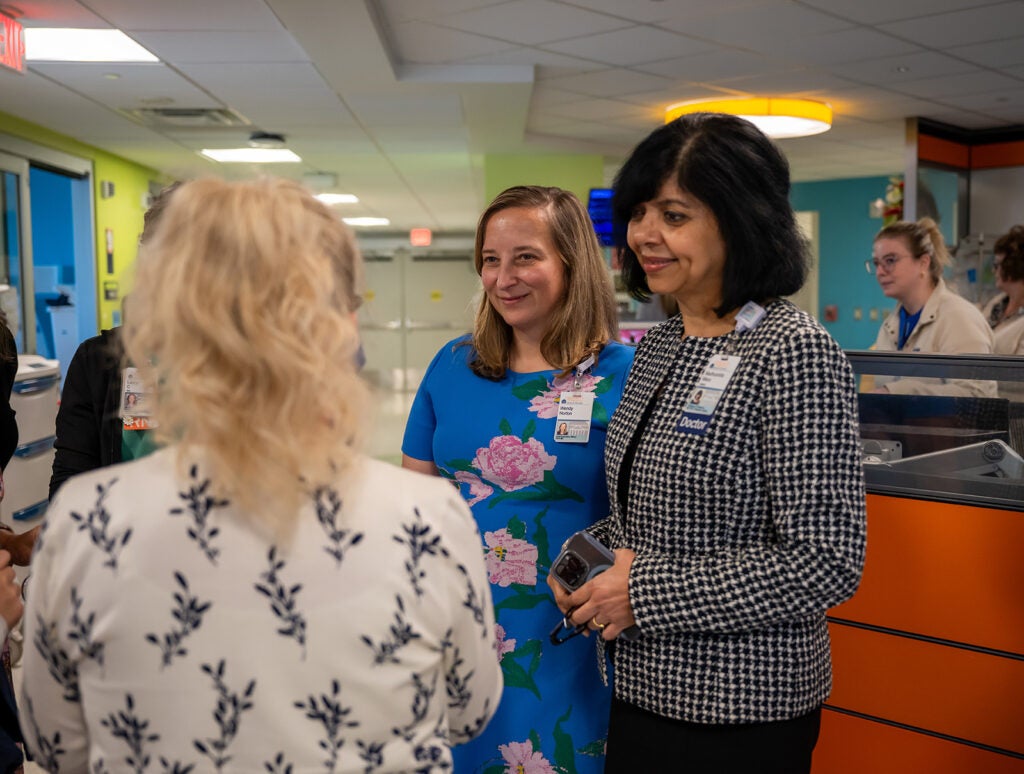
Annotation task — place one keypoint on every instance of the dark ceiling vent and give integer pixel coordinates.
(186, 118)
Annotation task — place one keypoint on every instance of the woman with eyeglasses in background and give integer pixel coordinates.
(1005, 312)
(908, 259)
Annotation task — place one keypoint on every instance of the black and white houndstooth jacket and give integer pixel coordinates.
(744, 536)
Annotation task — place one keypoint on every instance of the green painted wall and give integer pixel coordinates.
(121, 213)
(574, 173)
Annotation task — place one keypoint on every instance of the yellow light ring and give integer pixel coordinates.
(755, 106)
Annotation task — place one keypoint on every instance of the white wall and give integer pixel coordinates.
(997, 200)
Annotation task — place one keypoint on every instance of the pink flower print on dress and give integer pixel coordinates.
(510, 560)
(478, 490)
(513, 464)
(501, 644)
(546, 404)
(521, 759)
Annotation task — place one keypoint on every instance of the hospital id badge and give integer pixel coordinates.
(135, 400)
(575, 409)
(700, 406)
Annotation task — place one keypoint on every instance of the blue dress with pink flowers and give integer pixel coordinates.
(495, 440)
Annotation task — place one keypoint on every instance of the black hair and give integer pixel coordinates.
(743, 178)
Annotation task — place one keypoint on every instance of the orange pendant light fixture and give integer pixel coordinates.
(779, 118)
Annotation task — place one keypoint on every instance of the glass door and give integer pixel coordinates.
(15, 284)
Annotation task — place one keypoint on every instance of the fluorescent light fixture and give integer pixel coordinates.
(337, 198)
(367, 221)
(251, 155)
(779, 118)
(64, 44)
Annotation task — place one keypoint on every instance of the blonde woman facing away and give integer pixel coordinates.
(257, 595)
(908, 260)
(516, 415)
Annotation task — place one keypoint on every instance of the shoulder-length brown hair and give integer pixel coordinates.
(585, 321)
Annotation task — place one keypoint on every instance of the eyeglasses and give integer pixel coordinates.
(885, 263)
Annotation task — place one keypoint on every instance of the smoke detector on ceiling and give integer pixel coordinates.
(266, 140)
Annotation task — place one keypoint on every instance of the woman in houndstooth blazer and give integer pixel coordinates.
(738, 519)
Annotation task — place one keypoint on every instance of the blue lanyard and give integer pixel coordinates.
(907, 324)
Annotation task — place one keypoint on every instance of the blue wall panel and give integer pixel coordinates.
(845, 234)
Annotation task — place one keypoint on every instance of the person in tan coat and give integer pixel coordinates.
(908, 260)
(1005, 312)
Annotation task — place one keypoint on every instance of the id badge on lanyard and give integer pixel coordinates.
(575, 409)
(714, 379)
(135, 399)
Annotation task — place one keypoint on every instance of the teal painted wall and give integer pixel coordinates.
(845, 234)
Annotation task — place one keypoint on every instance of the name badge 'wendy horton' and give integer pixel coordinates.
(575, 409)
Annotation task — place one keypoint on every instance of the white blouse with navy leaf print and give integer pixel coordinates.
(163, 635)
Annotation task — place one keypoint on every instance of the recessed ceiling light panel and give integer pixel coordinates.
(251, 155)
(64, 44)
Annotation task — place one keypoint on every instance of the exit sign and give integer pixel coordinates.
(12, 44)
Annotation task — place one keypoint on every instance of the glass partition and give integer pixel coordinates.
(942, 427)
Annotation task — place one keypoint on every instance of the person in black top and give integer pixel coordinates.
(89, 424)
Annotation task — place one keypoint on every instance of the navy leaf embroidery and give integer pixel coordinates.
(420, 707)
(456, 681)
(433, 756)
(100, 767)
(47, 749)
(282, 601)
(278, 765)
(227, 714)
(175, 767)
(200, 505)
(188, 613)
(328, 711)
(62, 669)
(328, 506)
(421, 543)
(97, 523)
(132, 730)
(372, 753)
(400, 633)
(473, 602)
(472, 730)
(81, 630)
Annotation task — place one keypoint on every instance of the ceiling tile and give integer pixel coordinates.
(960, 28)
(974, 82)
(849, 45)
(222, 46)
(421, 43)
(716, 65)
(907, 67)
(631, 46)
(877, 11)
(774, 28)
(994, 53)
(132, 15)
(610, 83)
(516, 21)
(136, 85)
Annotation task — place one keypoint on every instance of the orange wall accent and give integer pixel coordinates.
(950, 571)
(998, 154)
(850, 745)
(949, 690)
(943, 151)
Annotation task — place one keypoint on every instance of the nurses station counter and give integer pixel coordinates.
(929, 654)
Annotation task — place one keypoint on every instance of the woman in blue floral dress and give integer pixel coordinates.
(515, 416)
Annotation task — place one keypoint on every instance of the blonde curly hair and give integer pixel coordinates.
(243, 316)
